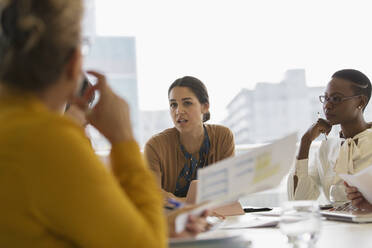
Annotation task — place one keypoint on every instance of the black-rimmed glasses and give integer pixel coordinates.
(335, 99)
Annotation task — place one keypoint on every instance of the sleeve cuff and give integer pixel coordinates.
(127, 151)
(301, 167)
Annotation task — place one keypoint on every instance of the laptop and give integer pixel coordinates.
(347, 215)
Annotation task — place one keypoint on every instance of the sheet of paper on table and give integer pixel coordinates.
(250, 221)
(362, 180)
(219, 239)
(259, 169)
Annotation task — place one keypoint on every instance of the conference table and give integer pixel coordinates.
(332, 234)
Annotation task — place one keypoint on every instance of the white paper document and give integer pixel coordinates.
(259, 169)
(250, 221)
(362, 180)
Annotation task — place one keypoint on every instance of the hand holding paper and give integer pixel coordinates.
(358, 188)
(259, 169)
(362, 181)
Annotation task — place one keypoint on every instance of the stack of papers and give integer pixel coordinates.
(252, 222)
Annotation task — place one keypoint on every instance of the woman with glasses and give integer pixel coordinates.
(345, 98)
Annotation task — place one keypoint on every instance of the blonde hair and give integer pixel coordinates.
(37, 38)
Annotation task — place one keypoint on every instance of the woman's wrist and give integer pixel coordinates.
(305, 144)
(121, 136)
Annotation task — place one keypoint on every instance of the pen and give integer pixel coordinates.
(173, 204)
(325, 136)
(251, 210)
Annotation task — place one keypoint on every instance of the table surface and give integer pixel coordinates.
(332, 234)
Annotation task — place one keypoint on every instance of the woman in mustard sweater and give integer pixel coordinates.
(54, 190)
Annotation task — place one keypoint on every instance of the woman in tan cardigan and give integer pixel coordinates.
(176, 153)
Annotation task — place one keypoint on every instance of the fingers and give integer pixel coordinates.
(206, 213)
(101, 84)
(324, 126)
(100, 77)
(193, 229)
(353, 196)
(196, 225)
(324, 122)
(111, 114)
(357, 199)
(357, 202)
(83, 101)
(199, 224)
(80, 103)
(89, 93)
(350, 190)
(321, 126)
(222, 217)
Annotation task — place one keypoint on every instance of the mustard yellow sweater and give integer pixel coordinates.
(55, 192)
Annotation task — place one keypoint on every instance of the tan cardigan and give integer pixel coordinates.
(167, 160)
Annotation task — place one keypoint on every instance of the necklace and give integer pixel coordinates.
(188, 172)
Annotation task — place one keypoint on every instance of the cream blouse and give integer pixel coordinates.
(335, 156)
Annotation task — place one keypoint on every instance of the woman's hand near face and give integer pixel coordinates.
(357, 199)
(319, 127)
(77, 115)
(111, 113)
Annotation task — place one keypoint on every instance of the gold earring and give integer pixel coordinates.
(359, 107)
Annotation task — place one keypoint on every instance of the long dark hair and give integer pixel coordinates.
(197, 87)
